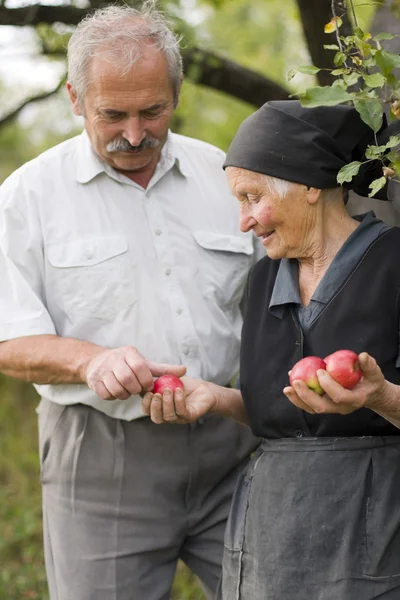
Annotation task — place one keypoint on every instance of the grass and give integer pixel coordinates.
(22, 574)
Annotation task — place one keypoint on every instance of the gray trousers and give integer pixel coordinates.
(122, 501)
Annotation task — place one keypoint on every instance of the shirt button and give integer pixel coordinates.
(179, 311)
(158, 232)
(299, 433)
(88, 254)
(167, 271)
(186, 351)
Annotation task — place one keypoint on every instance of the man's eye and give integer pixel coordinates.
(252, 199)
(113, 116)
(151, 114)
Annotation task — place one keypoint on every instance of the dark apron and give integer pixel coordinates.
(316, 519)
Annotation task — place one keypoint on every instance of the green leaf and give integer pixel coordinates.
(307, 69)
(394, 141)
(324, 96)
(387, 61)
(339, 83)
(371, 112)
(369, 62)
(383, 36)
(377, 185)
(375, 80)
(374, 152)
(340, 71)
(339, 59)
(363, 48)
(331, 47)
(352, 78)
(349, 171)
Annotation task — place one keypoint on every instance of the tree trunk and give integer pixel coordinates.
(314, 15)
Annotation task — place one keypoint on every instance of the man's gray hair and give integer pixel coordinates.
(118, 34)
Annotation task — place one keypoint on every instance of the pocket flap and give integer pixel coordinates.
(86, 251)
(228, 243)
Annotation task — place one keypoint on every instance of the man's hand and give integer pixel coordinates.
(372, 392)
(124, 372)
(184, 406)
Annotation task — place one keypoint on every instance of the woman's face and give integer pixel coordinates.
(283, 223)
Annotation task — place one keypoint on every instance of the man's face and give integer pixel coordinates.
(127, 116)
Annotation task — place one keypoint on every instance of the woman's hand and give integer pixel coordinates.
(183, 406)
(372, 391)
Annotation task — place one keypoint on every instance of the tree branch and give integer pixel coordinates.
(211, 70)
(42, 96)
(201, 66)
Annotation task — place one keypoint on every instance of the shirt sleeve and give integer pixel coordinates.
(22, 305)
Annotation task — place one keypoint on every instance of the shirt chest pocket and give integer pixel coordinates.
(91, 277)
(224, 263)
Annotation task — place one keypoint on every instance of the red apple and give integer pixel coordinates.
(343, 367)
(306, 370)
(166, 381)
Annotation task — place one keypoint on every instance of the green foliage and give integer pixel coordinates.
(364, 77)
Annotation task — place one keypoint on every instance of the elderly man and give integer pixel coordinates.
(120, 260)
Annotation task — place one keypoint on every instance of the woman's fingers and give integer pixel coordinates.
(165, 408)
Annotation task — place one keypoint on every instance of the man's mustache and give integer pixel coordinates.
(122, 145)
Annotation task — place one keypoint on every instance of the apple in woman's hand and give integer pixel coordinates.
(164, 382)
(306, 370)
(344, 368)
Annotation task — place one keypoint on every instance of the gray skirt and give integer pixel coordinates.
(316, 519)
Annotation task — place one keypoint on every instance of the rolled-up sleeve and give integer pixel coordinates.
(22, 299)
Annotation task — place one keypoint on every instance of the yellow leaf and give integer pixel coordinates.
(333, 24)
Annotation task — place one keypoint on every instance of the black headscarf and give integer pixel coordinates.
(308, 145)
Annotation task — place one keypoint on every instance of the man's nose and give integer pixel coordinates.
(134, 131)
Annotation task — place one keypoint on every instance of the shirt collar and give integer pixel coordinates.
(88, 164)
(286, 288)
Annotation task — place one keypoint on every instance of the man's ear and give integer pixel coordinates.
(74, 99)
(178, 93)
(313, 195)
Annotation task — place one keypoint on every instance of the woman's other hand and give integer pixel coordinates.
(183, 406)
(372, 391)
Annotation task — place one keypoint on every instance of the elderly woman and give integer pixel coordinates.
(316, 514)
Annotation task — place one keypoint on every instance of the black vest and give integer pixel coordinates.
(363, 315)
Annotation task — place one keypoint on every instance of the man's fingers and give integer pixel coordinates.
(127, 378)
(101, 391)
(140, 369)
(158, 369)
(114, 387)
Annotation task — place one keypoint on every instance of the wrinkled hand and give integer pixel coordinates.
(124, 372)
(184, 406)
(369, 392)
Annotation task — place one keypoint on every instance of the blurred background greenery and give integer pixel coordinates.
(267, 36)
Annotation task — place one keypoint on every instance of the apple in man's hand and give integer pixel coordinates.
(164, 382)
(306, 370)
(344, 368)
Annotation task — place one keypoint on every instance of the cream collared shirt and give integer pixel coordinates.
(87, 253)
